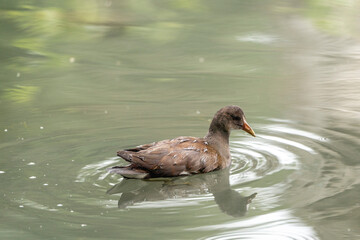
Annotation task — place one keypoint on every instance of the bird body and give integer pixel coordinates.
(183, 156)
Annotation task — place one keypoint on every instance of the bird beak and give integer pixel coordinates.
(248, 129)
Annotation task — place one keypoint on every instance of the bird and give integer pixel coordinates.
(183, 156)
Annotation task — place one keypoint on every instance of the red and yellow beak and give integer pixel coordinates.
(247, 128)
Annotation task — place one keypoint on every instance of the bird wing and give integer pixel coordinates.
(180, 156)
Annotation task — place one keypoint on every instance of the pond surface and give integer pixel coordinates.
(81, 80)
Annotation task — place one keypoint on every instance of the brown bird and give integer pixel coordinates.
(183, 156)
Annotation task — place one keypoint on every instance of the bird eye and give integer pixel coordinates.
(236, 118)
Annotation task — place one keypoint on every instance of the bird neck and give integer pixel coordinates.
(218, 138)
(218, 131)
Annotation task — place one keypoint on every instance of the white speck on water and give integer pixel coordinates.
(2, 172)
(31, 163)
(83, 225)
(40, 226)
(72, 160)
(22, 138)
(72, 60)
(71, 211)
(32, 177)
(106, 112)
(41, 127)
(21, 206)
(59, 205)
(18, 74)
(46, 184)
(5, 130)
(197, 112)
(201, 59)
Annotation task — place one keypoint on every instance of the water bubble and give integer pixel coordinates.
(5, 130)
(59, 205)
(83, 225)
(31, 163)
(32, 177)
(41, 127)
(197, 112)
(21, 206)
(71, 211)
(46, 184)
(201, 59)
(2, 172)
(72, 60)
(18, 74)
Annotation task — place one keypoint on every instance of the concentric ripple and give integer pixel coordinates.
(292, 170)
(277, 150)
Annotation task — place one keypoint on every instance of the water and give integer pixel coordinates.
(83, 79)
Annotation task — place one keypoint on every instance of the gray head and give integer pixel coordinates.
(228, 118)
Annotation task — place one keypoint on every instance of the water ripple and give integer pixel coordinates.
(281, 162)
(278, 225)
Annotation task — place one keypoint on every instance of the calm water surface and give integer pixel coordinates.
(83, 79)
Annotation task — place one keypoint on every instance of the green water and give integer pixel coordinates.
(81, 80)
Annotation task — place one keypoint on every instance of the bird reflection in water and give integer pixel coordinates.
(229, 201)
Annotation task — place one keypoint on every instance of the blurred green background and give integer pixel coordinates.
(83, 79)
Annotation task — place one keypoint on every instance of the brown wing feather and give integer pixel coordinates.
(180, 156)
(140, 147)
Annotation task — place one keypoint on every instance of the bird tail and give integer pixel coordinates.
(129, 172)
(125, 155)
